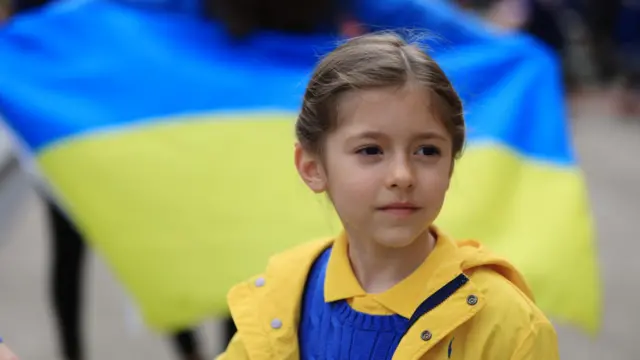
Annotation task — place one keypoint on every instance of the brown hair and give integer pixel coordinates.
(373, 61)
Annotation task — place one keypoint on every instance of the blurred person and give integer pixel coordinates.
(68, 251)
(614, 30)
(601, 18)
(544, 22)
(628, 54)
(541, 19)
(536, 17)
(67, 247)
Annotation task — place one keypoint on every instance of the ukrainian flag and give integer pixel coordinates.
(171, 147)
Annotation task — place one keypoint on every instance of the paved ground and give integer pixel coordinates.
(609, 151)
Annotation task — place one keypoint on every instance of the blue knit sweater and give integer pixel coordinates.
(336, 331)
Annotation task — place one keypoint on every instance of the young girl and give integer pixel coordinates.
(379, 130)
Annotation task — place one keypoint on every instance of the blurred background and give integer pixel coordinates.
(598, 46)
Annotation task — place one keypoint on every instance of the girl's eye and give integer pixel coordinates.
(370, 151)
(428, 151)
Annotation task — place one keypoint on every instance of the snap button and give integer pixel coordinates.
(276, 324)
(472, 300)
(260, 282)
(426, 335)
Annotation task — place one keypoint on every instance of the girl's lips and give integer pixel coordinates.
(399, 209)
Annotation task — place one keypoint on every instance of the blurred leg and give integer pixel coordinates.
(186, 344)
(66, 275)
(229, 330)
(601, 18)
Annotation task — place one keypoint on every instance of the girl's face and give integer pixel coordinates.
(386, 167)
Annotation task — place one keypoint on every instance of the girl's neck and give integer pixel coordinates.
(378, 268)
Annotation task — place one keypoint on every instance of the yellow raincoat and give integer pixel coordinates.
(490, 317)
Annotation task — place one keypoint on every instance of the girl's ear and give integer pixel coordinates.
(310, 169)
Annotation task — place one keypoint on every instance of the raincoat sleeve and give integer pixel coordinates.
(540, 343)
(235, 350)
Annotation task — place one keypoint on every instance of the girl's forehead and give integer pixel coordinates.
(399, 99)
(389, 109)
